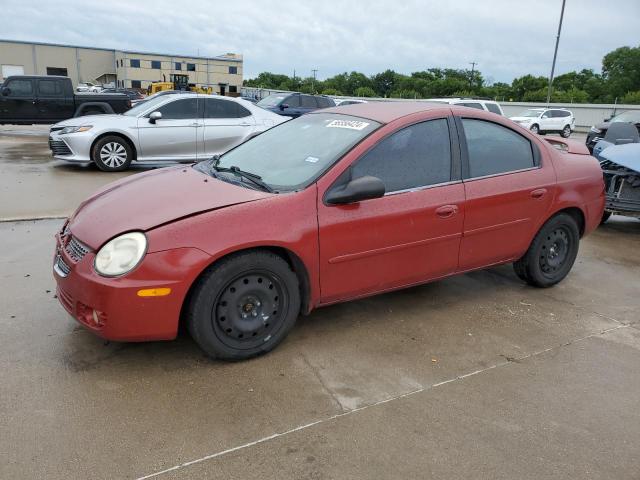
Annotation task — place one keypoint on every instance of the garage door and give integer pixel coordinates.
(9, 70)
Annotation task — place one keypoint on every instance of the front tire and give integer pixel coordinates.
(551, 254)
(566, 131)
(535, 128)
(244, 306)
(112, 154)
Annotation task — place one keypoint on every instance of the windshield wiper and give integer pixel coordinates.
(252, 177)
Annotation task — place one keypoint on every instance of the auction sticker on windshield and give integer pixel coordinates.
(350, 124)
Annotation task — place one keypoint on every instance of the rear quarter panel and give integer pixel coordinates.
(580, 182)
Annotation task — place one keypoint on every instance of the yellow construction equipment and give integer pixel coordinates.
(177, 81)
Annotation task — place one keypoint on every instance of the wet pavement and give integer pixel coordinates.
(477, 376)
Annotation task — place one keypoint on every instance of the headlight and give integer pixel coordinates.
(83, 128)
(596, 130)
(121, 254)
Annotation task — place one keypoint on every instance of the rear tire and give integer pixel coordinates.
(112, 154)
(243, 306)
(551, 254)
(566, 131)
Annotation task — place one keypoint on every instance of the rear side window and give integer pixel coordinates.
(224, 109)
(180, 109)
(416, 156)
(561, 113)
(495, 149)
(308, 101)
(492, 107)
(49, 88)
(472, 105)
(20, 88)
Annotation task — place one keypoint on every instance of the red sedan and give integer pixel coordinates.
(332, 206)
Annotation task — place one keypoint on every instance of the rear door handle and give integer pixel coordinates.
(446, 211)
(539, 193)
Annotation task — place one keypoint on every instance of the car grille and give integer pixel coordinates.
(58, 147)
(76, 249)
(62, 266)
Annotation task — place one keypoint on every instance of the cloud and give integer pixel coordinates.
(506, 38)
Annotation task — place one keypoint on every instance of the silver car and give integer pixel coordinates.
(175, 127)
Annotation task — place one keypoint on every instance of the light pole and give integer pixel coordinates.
(313, 88)
(555, 53)
(473, 66)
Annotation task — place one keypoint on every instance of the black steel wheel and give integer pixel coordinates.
(244, 305)
(552, 252)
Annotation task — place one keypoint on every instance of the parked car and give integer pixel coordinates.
(134, 95)
(49, 99)
(85, 86)
(176, 127)
(294, 104)
(347, 101)
(547, 120)
(479, 103)
(619, 156)
(335, 205)
(598, 132)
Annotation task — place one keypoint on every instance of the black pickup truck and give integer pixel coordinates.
(28, 99)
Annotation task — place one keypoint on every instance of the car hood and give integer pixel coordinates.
(521, 119)
(626, 155)
(147, 200)
(92, 120)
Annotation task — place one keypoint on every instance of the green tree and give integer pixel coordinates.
(632, 98)
(621, 70)
(332, 91)
(384, 83)
(364, 92)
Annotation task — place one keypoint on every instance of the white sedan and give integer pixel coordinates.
(175, 127)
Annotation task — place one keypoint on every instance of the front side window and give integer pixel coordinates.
(472, 105)
(20, 88)
(547, 114)
(156, 64)
(271, 101)
(530, 113)
(182, 109)
(416, 156)
(494, 149)
(214, 108)
(134, 63)
(293, 101)
(492, 107)
(293, 154)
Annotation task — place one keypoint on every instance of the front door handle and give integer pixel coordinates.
(539, 193)
(446, 211)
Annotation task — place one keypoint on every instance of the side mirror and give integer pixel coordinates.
(6, 91)
(283, 106)
(155, 116)
(363, 188)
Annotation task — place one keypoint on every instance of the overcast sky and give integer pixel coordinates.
(507, 38)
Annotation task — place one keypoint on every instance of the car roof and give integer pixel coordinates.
(383, 112)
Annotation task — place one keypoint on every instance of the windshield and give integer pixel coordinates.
(144, 105)
(271, 100)
(293, 154)
(529, 113)
(629, 116)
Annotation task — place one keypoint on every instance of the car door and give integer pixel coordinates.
(412, 233)
(51, 101)
(226, 124)
(18, 102)
(509, 188)
(174, 136)
(547, 121)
